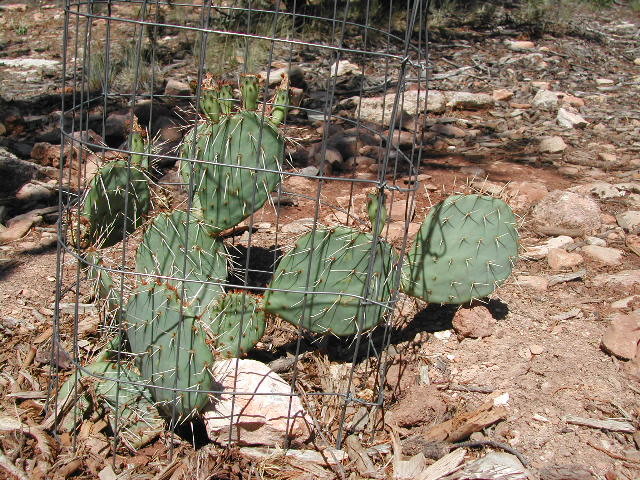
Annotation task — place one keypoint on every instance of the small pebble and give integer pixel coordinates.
(536, 349)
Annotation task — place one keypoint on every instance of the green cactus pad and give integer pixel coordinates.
(334, 261)
(104, 204)
(465, 248)
(235, 324)
(232, 152)
(230, 189)
(105, 287)
(163, 252)
(171, 349)
(137, 417)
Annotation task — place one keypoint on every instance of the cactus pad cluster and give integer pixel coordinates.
(238, 155)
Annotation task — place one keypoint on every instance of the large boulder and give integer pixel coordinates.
(263, 412)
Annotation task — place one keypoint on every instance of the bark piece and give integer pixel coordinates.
(609, 425)
(464, 424)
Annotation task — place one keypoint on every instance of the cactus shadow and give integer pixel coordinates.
(436, 318)
(7, 267)
(194, 432)
(253, 267)
(433, 318)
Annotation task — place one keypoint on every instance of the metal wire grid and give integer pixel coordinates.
(89, 25)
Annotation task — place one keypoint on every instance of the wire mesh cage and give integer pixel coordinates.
(238, 200)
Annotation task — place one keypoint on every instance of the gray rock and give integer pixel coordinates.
(449, 130)
(520, 45)
(470, 101)
(602, 190)
(552, 145)
(526, 193)
(36, 215)
(436, 101)
(411, 103)
(177, 88)
(296, 76)
(541, 251)
(14, 173)
(605, 255)
(493, 465)
(301, 225)
(596, 241)
(473, 171)
(398, 211)
(17, 230)
(402, 138)
(359, 162)
(331, 156)
(116, 125)
(545, 100)
(29, 63)
(567, 210)
(629, 220)
(569, 119)
(566, 472)
(31, 193)
(625, 302)
(344, 67)
(559, 259)
(266, 415)
(533, 282)
(310, 171)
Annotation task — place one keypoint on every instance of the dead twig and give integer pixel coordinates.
(466, 388)
(490, 443)
(612, 454)
(610, 425)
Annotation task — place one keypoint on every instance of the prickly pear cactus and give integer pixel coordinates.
(171, 349)
(235, 324)
(105, 288)
(239, 154)
(117, 199)
(163, 252)
(334, 265)
(465, 249)
(112, 389)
